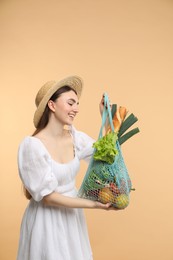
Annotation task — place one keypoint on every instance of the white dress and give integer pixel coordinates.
(52, 233)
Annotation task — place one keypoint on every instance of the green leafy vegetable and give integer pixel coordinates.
(126, 136)
(122, 123)
(105, 148)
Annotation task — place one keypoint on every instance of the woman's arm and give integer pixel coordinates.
(58, 200)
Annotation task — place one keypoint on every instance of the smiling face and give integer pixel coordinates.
(65, 107)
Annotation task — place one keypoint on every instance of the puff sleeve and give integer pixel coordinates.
(35, 171)
(83, 145)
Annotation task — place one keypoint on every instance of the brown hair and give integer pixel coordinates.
(45, 119)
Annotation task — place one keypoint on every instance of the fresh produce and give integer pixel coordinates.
(122, 123)
(118, 116)
(107, 178)
(126, 124)
(106, 195)
(93, 194)
(105, 148)
(113, 187)
(98, 178)
(123, 113)
(121, 201)
(94, 181)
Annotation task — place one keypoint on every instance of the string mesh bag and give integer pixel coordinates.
(107, 179)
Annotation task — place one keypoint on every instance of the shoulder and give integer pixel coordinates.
(29, 141)
(81, 139)
(83, 144)
(30, 144)
(78, 135)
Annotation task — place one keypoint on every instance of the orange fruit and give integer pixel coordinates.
(106, 196)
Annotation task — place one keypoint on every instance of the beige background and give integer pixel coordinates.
(123, 48)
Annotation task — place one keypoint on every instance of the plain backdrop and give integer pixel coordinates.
(124, 48)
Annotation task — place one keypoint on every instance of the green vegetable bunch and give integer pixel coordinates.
(106, 148)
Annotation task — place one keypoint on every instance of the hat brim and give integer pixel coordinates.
(74, 82)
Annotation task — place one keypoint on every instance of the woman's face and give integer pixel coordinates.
(65, 107)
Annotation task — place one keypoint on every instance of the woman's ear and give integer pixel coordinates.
(51, 105)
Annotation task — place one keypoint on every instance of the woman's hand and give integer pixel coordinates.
(107, 206)
(101, 105)
(99, 205)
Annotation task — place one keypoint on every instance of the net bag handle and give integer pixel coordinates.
(106, 113)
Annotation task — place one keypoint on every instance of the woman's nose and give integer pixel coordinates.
(76, 108)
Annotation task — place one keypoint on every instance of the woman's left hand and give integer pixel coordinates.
(101, 105)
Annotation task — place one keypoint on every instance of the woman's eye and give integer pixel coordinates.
(71, 104)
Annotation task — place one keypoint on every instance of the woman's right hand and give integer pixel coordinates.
(99, 205)
(107, 206)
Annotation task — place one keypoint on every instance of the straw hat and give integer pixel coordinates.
(48, 89)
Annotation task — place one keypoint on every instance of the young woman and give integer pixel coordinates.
(53, 225)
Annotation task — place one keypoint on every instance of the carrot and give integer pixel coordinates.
(123, 112)
(118, 118)
(116, 122)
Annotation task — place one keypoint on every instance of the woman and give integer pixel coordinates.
(53, 226)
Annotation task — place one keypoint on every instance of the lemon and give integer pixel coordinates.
(122, 201)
